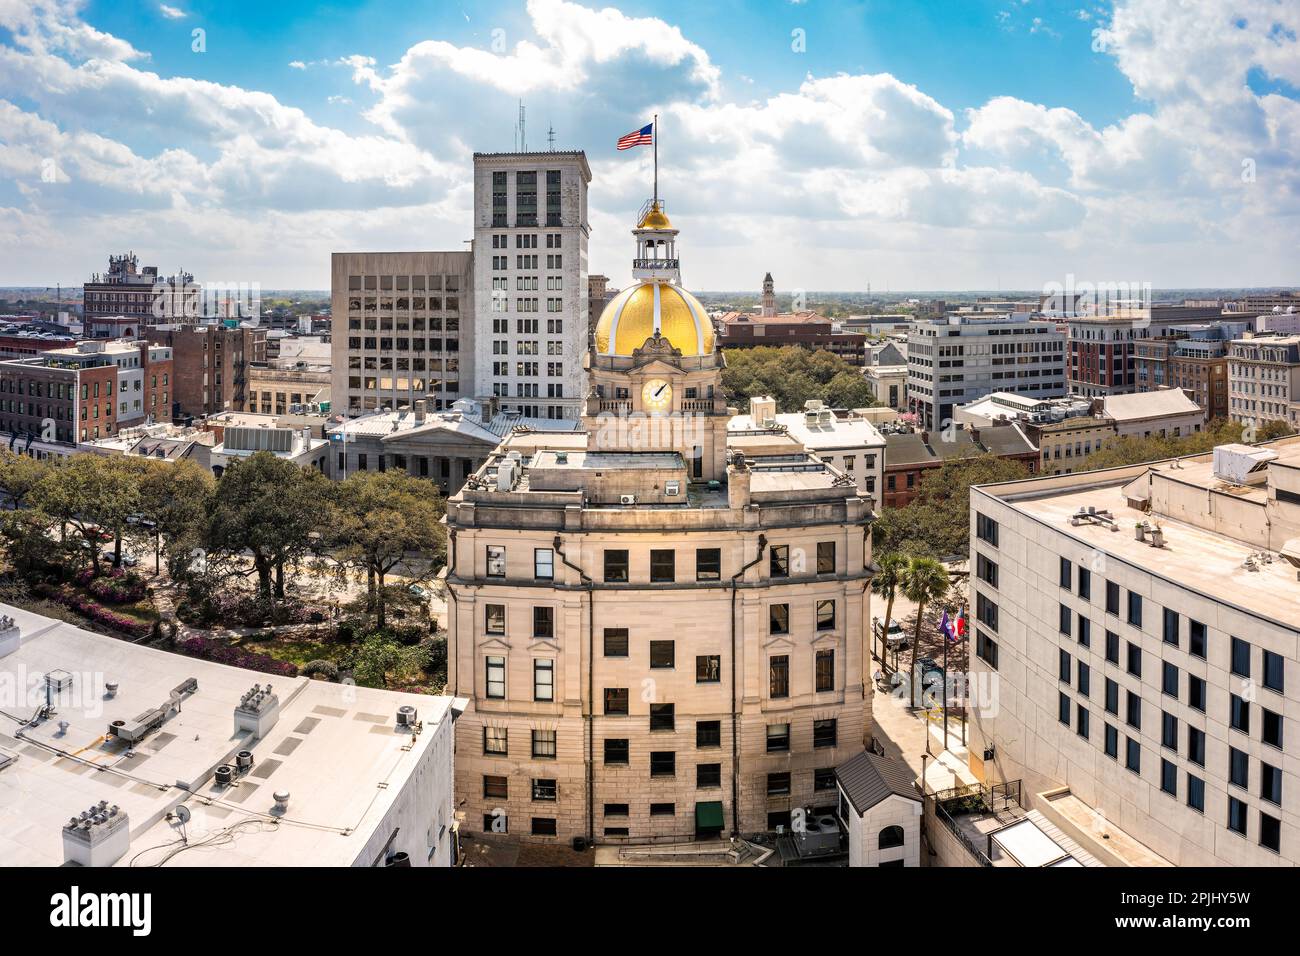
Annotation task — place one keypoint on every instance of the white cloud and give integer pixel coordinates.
(171, 13)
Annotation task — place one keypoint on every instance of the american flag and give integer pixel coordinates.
(641, 137)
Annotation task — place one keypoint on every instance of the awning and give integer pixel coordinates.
(708, 815)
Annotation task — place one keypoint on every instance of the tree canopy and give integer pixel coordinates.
(1132, 449)
(792, 375)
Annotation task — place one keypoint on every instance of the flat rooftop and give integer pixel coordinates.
(336, 749)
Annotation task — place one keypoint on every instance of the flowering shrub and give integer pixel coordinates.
(222, 653)
(229, 608)
(87, 608)
(117, 590)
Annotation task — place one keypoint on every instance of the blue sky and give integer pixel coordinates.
(960, 144)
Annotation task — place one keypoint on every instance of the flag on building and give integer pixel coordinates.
(640, 137)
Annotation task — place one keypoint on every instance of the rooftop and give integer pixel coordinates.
(1137, 406)
(817, 433)
(335, 748)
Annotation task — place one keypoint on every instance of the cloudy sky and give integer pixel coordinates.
(909, 145)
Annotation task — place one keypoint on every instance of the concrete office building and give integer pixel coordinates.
(657, 641)
(955, 359)
(530, 281)
(1135, 630)
(1264, 380)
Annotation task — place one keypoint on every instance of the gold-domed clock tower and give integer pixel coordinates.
(654, 366)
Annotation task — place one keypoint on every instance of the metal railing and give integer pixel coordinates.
(974, 798)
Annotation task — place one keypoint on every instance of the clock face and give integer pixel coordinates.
(656, 396)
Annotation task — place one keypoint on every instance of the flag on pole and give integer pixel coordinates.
(961, 623)
(945, 625)
(640, 137)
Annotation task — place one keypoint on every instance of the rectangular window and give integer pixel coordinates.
(986, 612)
(825, 557)
(708, 564)
(708, 733)
(1135, 609)
(1134, 660)
(543, 564)
(616, 566)
(1084, 680)
(986, 529)
(543, 826)
(1196, 793)
(616, 750)
(615, 700)
(663, 809)
(496, 561)
(779, 561)
(1169, 778)
(778, 784)
(544, 744)
(1196, 692)
(778, 738)
(1064, 616)
(1112, 697)
(496, 741)
(662, 654)
(616, 809)
(1063, 708)
(1171, 627)
(1239, 714)
(1112, 647)
(986, 649)
(544, 679)
(778, 619)
(824, 779)
(1133, 710)
(1168, 730)
(1112, 742)
(1063, 666)
(494, 618)
(1112, 598)
(663, 763)
(496, 678)
(1169, 679)
(986, 570)
(1067, 574)
(1270, 783)
(1196, 745)
(1196, 638)
(1085, 583)
(544, 789)
(616, 642)
(1081, 722)
(825, 732)
(1270, 832)
(663, 566)
(544, 622)
(1237, 816)
(1273, 671)
(825, 615)
(663, 716)
(778, 676)
(1085, 631)
(496, 788)
(708, 776)
(1271, 732)
(1133, 755)
(1240, 657)
(824, 665)
(708, 668)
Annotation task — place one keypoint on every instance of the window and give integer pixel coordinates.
(616, 809)
(824, 732)
(663, 566)
(1196, 638)
(615, 700)
(1084, 678)
(616, 750)
(1063, 669)
(1196, 793)
(1238, 768)
(1169, 778)
(708, 733)
(825, 615)
(1171, 626)
(1196, 745)
(1134, 660)
(663, 809)
(825, 557)
(1270, 783)
(1065, 616)
(708, 776)
(1067, 574)
(1133, 755)
(778, 738)
(662, 654)
(1169, 679)
(1273, 671)
(986, 649)
(496, 561)
(496, 741)
(544, 789)
(778, 619)
(1063, 709)
(1135, 609)
(543, 826)
(663, 763)
(1112, 697)
(544, 679)
(889, 838)
(1085, 631)
(778, 676)
(986, 612)
(1196, 692)
(778, 784)
(616, 642)
(708, 669)
(986, 529)
(543, 564)
(1239, 714)
(495, 618)
(779, 561)
(496, 678)
(708, 564)
(1112, 742)
(1085, 583)
(496, 788)
(1237, 816)
(616, 566)
(1240, 657)
(544, 622)
(1271, 732)
(663, 716)
(1270, 832)
(544, 744)
(1112, 647)
(1133, 710)
(1112, 598)
(824, 667)
(1081, 722)
(1168, 730)
(986, 570)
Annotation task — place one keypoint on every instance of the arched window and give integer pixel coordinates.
(891, 837)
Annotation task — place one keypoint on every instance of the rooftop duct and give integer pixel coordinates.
(257, 711)
(100, 836)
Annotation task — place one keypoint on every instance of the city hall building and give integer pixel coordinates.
(659, 638)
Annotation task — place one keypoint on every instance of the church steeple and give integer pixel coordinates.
(769, 296)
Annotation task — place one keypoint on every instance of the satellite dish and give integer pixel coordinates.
(182, 814)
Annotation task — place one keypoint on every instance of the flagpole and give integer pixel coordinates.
(655, 140)
(946, 641)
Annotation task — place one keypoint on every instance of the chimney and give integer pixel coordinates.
(925, 437)
(100, 836)
(421, 409)
(257, 712)
(738, 483)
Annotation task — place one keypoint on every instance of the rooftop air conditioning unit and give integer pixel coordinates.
(627, 499)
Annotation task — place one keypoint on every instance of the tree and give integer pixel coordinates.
(90, 493)
(922, 581)
(793, 375)
(889, 572)
(271, 509)
(381, 517)
(174, 501)
(19, 474)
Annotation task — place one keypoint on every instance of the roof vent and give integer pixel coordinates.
(99, 836)
(257, 711)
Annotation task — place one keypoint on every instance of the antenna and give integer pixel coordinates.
(550, 138)
(523, 135)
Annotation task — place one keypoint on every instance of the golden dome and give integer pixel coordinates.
(636, 313)
(655, 219)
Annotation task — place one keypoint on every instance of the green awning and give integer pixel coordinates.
(708, 815)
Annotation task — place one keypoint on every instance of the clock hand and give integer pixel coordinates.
(660, 390)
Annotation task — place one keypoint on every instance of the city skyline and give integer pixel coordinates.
(839, 147)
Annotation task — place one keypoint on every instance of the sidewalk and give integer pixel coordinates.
(904, 734)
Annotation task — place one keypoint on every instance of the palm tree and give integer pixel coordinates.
(923, 580)
(884, 584)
